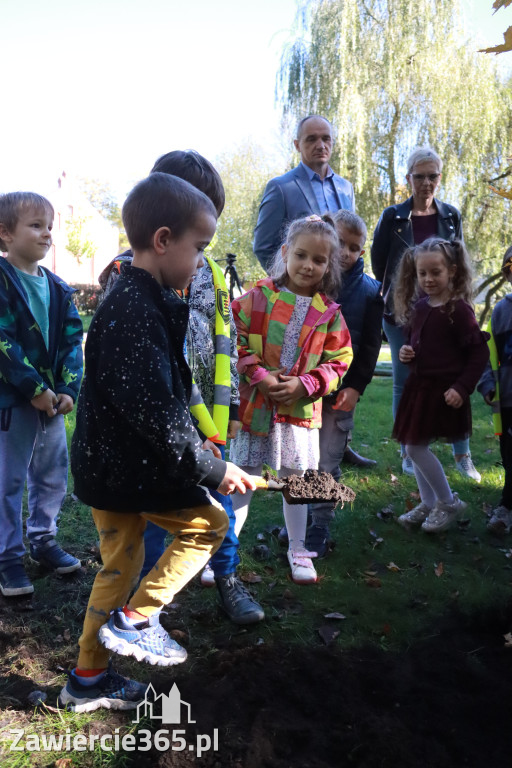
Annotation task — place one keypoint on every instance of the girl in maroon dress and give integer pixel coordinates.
(447, 353)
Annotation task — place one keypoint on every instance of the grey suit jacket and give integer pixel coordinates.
(285, 199)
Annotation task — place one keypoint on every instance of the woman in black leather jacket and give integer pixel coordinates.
(400, 227)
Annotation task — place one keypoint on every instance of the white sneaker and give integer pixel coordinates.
(415, 516)
(468, 469)
(207, 576)
(443, 515)
(407, 465)
(303, 571)
(501, 521)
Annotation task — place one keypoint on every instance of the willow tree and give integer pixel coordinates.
(244, 173)
(392, 74)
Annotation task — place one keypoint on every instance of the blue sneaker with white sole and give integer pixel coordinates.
(145, 641)
(112, 691)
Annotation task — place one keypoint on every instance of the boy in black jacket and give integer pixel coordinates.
(136, 455)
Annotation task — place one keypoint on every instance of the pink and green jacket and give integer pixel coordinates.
(323, 355)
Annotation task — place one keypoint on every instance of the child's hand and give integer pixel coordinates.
(65, 403)
(406, 354)
(287, 390)
(47, 402)
(209, 446)
(235, 479)
(489, 397)
(233, 427)
(452, 398)
(264, 385)
(346, 400)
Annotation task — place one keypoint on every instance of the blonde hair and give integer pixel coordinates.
(323, 226)
(15, 204)
(406, 290)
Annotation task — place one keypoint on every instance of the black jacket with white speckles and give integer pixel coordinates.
(135, 447)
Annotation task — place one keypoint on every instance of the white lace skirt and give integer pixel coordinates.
(286, 445)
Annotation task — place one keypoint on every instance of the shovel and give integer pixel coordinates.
(312, 488)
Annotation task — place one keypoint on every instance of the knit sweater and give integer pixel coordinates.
(322, 356)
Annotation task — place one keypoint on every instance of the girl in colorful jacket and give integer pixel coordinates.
(294, 348)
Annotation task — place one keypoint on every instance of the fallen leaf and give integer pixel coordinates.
(288, 595)
(63, 762)
(178, 634)
(386, 629)
(508, 640)
(439, 570)
(386, 513)
(370, 573)
(394, 479)
(393, 567)
(377, 542)
(334, 615)
(250, 577)
(364, 479)
(58, 638)
(328, 633)
(415, 495)
(66, 634)
(374, 583)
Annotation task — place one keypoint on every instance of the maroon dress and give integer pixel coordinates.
(451, 352)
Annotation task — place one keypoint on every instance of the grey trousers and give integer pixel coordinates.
(334, 436)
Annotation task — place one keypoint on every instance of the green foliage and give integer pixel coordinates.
(244, 174)
(79, 243)
(394, 74)
(101, 196)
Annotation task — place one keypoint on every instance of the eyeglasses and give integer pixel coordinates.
(420, 177)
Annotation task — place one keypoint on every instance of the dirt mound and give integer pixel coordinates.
(444, 703)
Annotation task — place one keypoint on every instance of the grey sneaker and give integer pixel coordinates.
(501, 521)
(415, 516)
(237, 601)
(407, 465)
(443, 515)
(467, 469)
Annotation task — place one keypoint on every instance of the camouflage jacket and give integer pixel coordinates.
(27, 366)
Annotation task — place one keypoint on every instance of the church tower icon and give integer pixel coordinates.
(172, 706)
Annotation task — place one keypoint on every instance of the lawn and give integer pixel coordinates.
(400, 629)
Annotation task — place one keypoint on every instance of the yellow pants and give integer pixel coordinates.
(198, 533)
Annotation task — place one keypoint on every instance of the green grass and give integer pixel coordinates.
(392, 586)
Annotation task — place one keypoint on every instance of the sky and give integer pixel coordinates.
(101, 88)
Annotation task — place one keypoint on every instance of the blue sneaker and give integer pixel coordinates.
(147, 642)
(13, 579)
(111, 692)
(46, 552)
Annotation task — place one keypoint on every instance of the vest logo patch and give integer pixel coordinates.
(223, 304)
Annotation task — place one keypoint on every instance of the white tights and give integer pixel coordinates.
(295, 515)
(432, 483)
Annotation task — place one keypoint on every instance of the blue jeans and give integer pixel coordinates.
(396, 338)
(224, 561)
(32, 448)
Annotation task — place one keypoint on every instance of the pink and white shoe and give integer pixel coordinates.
(303, 570)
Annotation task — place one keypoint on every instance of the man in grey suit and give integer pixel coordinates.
(311, 187)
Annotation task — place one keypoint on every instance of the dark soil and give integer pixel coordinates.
(443, 703)
(314, 486)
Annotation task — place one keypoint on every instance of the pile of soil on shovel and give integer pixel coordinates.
(314, 487)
